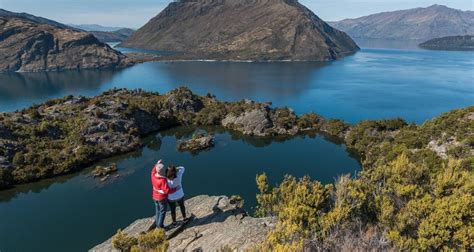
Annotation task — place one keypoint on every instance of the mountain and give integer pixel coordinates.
(29, 43)
(242, 30)
(96, 27)
(419, 23)
(461, 43)
(113, 36)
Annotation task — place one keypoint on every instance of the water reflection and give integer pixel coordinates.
(246, 80)
(372, 84)
(96, 210)
(17, 89)
(389, 43)
(154, 143)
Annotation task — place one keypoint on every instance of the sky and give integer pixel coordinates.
(135, 13)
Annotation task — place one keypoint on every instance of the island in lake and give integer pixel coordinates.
(455, 43)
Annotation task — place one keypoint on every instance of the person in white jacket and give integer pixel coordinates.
(174, 179)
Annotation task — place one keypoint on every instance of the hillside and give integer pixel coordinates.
(242, 30)
(5, 13)
(461, 43)
(30, 43)
(415, 24)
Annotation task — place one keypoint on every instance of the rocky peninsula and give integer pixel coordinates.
(65, 135)
(31, 44)
(241, 30)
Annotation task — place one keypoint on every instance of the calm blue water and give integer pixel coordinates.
(372, 84)
(76, 212)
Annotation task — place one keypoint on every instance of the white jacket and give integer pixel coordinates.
(175, 183)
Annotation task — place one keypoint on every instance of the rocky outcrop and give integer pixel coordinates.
(259, 30)
(79, 131)
(27, 45)
(196, 143)
(100, 171)
(457, 43)
(68, 134)
(417, 24)
(218, 224)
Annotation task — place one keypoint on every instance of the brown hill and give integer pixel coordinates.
(242, 30)
(31, 45)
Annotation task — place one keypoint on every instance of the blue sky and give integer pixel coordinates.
(135, 13)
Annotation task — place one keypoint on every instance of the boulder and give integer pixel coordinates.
(101, 171)
(255, 122)
(197, 143)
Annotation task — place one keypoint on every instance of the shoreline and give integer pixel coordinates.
(115, 122)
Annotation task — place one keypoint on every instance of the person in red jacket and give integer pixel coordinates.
(160, 192)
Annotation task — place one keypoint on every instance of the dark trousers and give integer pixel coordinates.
(160, 212)
(180, 203)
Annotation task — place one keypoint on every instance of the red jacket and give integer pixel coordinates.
(160, 186)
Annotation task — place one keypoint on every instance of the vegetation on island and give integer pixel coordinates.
(65, 135)
(415, 192)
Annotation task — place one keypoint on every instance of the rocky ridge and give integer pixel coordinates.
(257, 30)
(30, 45)
(218, 223)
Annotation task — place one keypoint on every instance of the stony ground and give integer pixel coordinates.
(217, 224)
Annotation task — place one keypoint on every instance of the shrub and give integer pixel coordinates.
(153, 241)
(123, 242)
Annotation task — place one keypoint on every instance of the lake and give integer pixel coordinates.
(75, 212)
(372, 84)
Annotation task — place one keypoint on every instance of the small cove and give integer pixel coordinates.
(80, 211)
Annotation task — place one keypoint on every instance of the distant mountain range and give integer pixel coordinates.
(113, 36)
(96, 27)
(105, 33)
(413, 24)
(258, 30)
